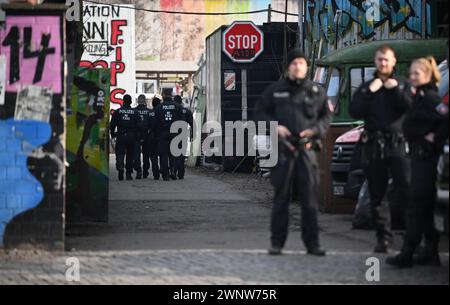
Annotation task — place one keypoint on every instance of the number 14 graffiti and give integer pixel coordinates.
(12, 40)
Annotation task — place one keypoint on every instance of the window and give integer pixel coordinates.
(149, 88)
(333, 87)
(321, 75)
(358, 76)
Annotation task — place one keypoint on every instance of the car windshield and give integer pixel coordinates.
(360, 75)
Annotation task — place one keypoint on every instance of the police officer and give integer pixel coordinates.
(382, 104)
(301, 109)
(146, 129)
(154, 139)
(166, 113)
(424, 128)
(124, 126)
(186, 116)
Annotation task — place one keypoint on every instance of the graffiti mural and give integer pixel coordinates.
(87, 146)
(109, 43)
(393, 18)
(19, 189)
(31, 131)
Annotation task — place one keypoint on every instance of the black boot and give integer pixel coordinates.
(429, 256)
(316, 251)
(382, 246)
(120, 175)
(145, 175)
(129, 177)
(402, 260)
(139, 175)
(275, 251)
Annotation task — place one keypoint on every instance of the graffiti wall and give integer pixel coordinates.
(168, 37)
(109, 43)
(343, 23)
(87, 146)
(32, 130)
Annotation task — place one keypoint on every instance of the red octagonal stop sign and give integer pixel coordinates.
(243, 41)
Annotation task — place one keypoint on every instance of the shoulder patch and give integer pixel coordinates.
(442, 109)
(315, 89)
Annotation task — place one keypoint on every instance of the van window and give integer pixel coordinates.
(333, 87)
(358, 76)
(320, 77)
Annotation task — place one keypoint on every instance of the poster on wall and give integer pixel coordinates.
(42, 65)
(230, 81)
(109, 43)
(33, 103)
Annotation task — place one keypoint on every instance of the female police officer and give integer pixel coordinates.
(423, 128)
(301, 109)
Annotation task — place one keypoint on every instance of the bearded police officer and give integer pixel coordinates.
(185, 116)
(124, 126)
(301, 109)
(166, 113)
(382, 104)
(146, 129)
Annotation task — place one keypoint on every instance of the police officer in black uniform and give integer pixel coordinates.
(124, 126)
(185, 116)
(146, 131)
(166, 113)
(301, 109)
(382, 104)
(426, 129)
(154, 158)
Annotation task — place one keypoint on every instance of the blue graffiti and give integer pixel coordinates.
(397, 13)
(19, 189)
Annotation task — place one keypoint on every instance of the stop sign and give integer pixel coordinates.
(243, 42)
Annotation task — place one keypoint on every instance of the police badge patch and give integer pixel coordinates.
(442, 109)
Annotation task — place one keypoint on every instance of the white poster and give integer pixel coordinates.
(109, 42)
(34, 103)
(2, 79)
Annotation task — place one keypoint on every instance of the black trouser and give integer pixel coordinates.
(144, 148)
(378, 171)
(420, 212)
(302, 174)
(167, 161)
(180, 169)
(126, 148)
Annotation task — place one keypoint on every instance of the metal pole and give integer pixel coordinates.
(424, 19)
(284, 33)
(301, 15)
(269, 14)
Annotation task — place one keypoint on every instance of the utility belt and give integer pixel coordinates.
(124, 132)
(296, 144)
(383, 145)
(422, 149)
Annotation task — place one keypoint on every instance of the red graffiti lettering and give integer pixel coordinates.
(114, 96)
(116, 31)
